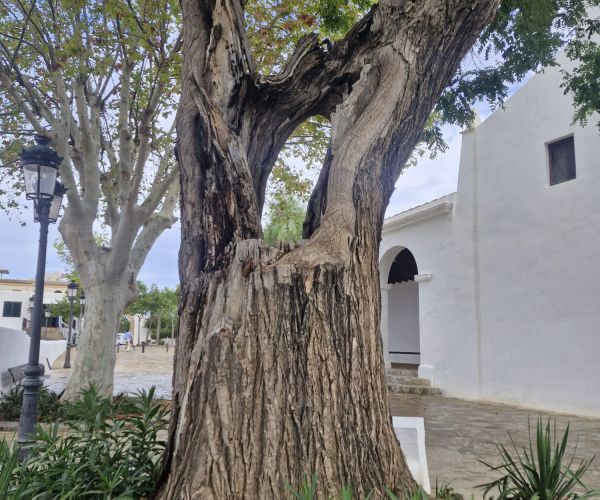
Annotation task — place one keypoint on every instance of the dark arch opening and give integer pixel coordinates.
(404, 268)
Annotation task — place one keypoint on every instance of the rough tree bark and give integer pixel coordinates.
(279, 366)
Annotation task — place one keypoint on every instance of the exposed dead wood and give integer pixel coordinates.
(279, 367)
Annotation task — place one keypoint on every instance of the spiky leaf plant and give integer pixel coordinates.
(541, 471)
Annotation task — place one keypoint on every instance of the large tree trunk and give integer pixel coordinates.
(279, 369)
(96, 353)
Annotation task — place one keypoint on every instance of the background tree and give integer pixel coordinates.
(158, 307)
(278, 366)
(100, 80)
(286, 215)
(62, 309)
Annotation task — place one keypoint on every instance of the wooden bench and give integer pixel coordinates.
(17, 373)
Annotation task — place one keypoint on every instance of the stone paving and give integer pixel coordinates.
(458, 433)
(134, 370)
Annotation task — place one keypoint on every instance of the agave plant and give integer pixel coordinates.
(540, 471)
(307, 490)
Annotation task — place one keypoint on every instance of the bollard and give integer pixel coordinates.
(143, 346)
(167, 347)
(118, 348)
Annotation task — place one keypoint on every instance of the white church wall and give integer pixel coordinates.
(510, 313)
(448, 350)
(538, 255)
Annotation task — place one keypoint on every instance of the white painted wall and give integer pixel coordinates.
(14, 351)
(50, 297)
(8, 296)
(511, 311)
(404, 322)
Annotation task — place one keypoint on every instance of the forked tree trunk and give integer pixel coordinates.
(279, 369)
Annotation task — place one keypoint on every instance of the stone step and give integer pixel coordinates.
(414, 389)
(407, 380)
(406, 372)
(52, 334)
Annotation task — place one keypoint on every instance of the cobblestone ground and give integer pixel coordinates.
(134, 370)
(457, 433)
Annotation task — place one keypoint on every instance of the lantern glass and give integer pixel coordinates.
(82, 298)
(55, 206)
(59, 191)
(72, 290)
(39, 180)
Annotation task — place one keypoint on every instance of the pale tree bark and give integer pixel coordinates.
(100, 106)
(108, 275)
(279, 369)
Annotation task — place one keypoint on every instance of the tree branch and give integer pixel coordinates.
(158, 191)
(160, 221)
(11, 90)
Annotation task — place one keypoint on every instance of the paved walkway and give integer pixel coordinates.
(134, 370)
(458, 433)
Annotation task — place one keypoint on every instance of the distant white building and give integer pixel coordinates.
(15, 317)
(494, 291)
(16, 299)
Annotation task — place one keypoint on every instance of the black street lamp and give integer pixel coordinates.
(71, 294)
(40, 168)
(81, 313)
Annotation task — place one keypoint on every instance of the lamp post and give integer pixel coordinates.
(71, 294)
(47, 314)
(81, 313)
(40, 168)
(30, 309)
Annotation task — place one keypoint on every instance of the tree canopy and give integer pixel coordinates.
(155, 302)
(103, 77)
(119, 44)
(524, 37)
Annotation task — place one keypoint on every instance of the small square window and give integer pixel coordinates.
(562, 160)
(11, 309)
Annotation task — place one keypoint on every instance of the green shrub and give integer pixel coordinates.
(446, 492)
(9, 488)
(306, 490)
(108, 450)
(540, 471)
(49, 406)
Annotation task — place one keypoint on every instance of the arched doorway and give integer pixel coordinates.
(400, 307)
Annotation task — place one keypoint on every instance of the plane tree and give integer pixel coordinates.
(100, 80)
